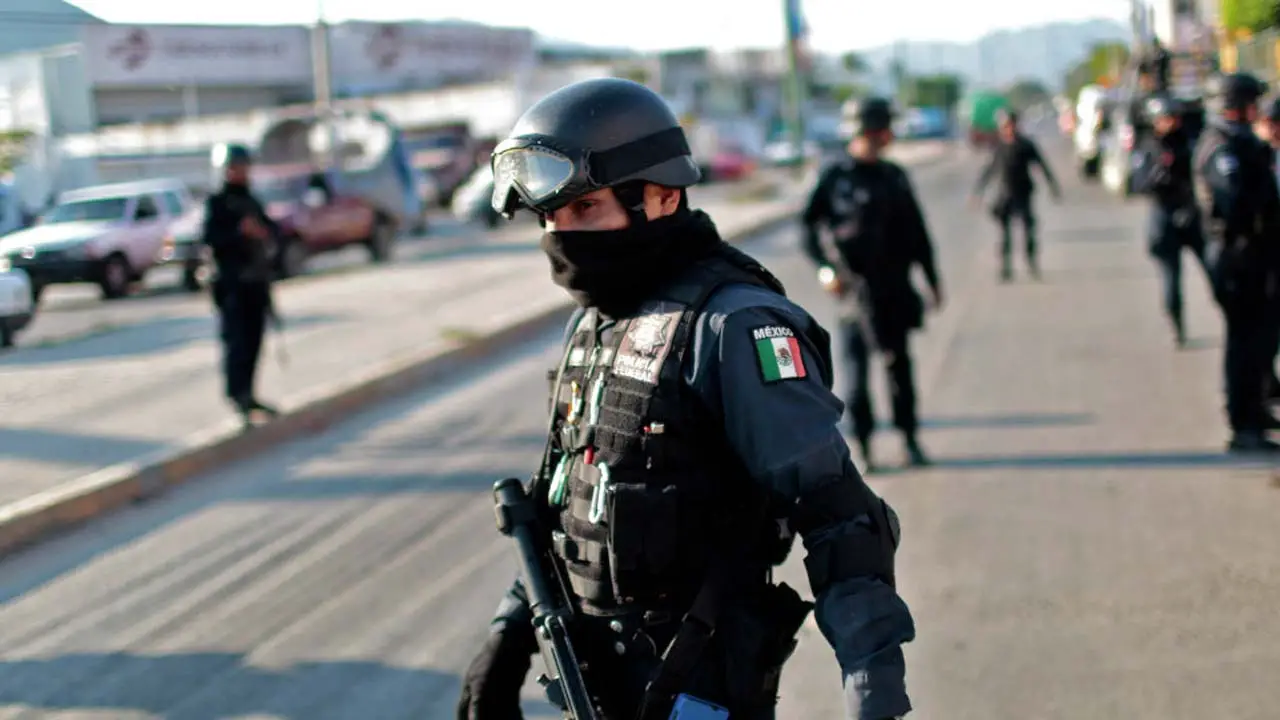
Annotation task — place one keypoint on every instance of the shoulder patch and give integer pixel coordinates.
(1226, 163)
(778, 352)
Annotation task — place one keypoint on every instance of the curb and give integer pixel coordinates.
(78, 501)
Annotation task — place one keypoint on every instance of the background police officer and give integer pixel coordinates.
(864, 229)
(1236, 191)
(1163, 171)
(241, 235)
(1010, 165)
(1268, 130)
(692, 410)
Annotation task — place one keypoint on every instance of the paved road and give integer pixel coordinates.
(152, 383)
(1081, 550)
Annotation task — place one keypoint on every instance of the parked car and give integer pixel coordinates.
(109, 235)
(184, 245)
(17, 304)
(316, 214)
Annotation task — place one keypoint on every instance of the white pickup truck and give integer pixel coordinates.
(109, 235)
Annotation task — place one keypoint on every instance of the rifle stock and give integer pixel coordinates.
(517, 518)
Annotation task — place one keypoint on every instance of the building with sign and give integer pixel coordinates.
(151, 73)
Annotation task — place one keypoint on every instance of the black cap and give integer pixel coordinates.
(867, 115)
(1236, 91)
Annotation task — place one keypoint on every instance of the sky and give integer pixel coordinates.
(835, 25)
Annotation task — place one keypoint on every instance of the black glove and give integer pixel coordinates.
(491, 686)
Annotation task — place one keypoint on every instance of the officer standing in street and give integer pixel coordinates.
(241, 237)
(693, 431)
(1010, 166)
(864, 229)
(1268, 130)
(1162, 169)
(1240, 206)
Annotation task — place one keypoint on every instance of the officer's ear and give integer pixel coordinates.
(661, 201)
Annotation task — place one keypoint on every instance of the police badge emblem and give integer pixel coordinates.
(645, 346)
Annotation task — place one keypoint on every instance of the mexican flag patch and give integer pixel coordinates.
(779, 353)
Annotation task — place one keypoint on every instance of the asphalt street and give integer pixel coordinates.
(1081, 550)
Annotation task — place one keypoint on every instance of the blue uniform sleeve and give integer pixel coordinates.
(752, 365)
(1221, 170)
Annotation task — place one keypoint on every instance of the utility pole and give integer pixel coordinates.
(795, 82)
(322, 79)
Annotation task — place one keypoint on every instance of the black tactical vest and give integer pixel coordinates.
(643, 483)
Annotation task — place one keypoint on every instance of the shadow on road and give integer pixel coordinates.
(1025, 420)
(143, 338)
(207, 686)
(1102, 461)
(53, 446)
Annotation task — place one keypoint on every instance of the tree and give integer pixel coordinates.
(854, 63)
(1251, 15)
(1102, 65)
(13, 145)
(1025, 93)
(635, 73)
(942, 91)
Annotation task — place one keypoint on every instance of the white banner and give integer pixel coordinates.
(166, 55)
(408, 54)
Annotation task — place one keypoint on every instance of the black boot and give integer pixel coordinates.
(864, 447)
(915, 454)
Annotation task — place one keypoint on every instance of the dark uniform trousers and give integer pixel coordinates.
(893, 344)
(1018, 207)
(242, 309)
(1169, 235)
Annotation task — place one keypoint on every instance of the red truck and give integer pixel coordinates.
(317, 214)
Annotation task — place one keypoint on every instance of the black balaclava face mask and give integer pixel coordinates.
(617, 270)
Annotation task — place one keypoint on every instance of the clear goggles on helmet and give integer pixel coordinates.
(542, 174)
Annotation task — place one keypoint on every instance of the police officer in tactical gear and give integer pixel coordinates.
(1268, 130)
(864, 229)
(693, 430)
(241, 237)
(1010, 165)
(1162, 169)
(1239, 204)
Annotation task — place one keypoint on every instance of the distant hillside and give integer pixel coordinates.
(1043, 52)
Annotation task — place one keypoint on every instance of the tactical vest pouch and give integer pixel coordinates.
(643, 542)
(757, 641)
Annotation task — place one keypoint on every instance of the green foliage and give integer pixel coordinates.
(13, 145)
(853, 62)
(1103, 63)
(1251, 15)
(1025, 93)
(942, 91)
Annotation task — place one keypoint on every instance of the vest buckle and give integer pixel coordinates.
(598, 495)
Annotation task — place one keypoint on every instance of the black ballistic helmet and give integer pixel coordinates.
(585, 137)
(1163, 106)
(871, 114)
(225, 154)
(1273, 109)
(1236, 91)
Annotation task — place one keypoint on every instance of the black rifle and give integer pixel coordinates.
(517, 516)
